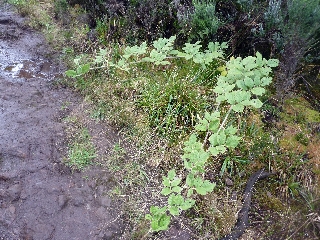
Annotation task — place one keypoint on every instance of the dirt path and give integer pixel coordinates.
(39, 197)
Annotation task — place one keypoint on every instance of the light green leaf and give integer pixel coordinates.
(248, 82)
(174, 210)
(256, 103)
(205, 187)
(214, 125)
(175, 182)
(238, 107)
(231, 130)
(171, 174)
(258, 91)
(232, 141)
(166, 181)
(71, 73)
(187, 204)
(273, 62)
(202, 125)
(190, 180)
(85, 68)
(177, 189)
(190, 192)
(214, 151)
(166, 191)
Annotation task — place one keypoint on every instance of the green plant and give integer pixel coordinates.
(81, 151)
(246, 79)
(17, 2)
(239, 85)
(173, 100)
(302, 138)
(204, 20)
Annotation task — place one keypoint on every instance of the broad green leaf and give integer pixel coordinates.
(177, 189)
(221, 149)
(188, 203)
(202, 125)
(190, 180)
(248, 82)
(259, 59)
(273, 62)
(135, 50)
(221, 138)
(85, 68)
(256, 103)
(231, 130)
(232, 141)
(175, 182)
(214, 125)
(258, 91)
(238, 107)
(71, 73)
(214, 151)
(171, 174)
(166, 181)
(266, 81)
(148, 59)
(212, 116)
(205, 187)
(166, 191)
(174, 210)
(241, 84)
(163, 222)
(156, 210)
(190, 193)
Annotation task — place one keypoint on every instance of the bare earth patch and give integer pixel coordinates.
(41, 198)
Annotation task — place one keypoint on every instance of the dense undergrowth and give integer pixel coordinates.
(158, 102)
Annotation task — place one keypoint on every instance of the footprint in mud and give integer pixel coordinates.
(39, 197)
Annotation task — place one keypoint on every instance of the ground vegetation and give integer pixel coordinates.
(185, 81)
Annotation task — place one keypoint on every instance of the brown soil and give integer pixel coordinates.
(41, 198)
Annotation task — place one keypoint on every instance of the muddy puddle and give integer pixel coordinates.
(40, 198)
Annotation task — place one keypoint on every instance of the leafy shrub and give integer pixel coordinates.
(150, 20)
(202, 22)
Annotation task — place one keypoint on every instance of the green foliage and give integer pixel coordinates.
(170, 101)
(242, 81)
(171, 104)
(176, 203)
(204, 20)
(246, 78)
(17, 2)
(302, 138)
(171, 183)
(150, 20)
(159, 219)
(81, 151)
(159, 55)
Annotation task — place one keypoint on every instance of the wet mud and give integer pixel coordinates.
(40, 198)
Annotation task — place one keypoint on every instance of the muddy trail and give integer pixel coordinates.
(40, 198)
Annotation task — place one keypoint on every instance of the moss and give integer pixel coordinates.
(298, 110)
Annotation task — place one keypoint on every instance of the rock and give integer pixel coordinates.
(42, 231)
(14, 192)
(12, 209)
(228, 182)
(78, 201)
(105, 201)
(62, 201)
(177, 233)
(102, 213)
